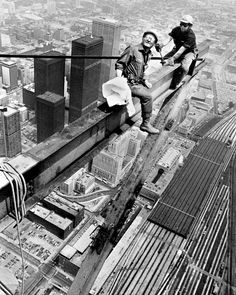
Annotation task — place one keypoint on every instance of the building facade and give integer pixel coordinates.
(29, 96)
(85, 76)
(9, 74)
(50, 114)
(113, 162)
(110, 30)
(10, 133)
(49, 73)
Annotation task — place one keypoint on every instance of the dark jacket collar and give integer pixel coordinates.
(141, 48)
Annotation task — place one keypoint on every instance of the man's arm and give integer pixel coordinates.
(189, 43)
(123, 61)
(179, 52)
(171, 61)
(160, 45)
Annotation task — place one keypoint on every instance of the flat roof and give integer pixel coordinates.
(50, 97)
(10, 111)
(32, 16)
(68, 251)
(40, 211)
(58, 220)
(8, 62)
(106, 20)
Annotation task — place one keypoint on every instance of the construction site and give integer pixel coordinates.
(102, 207)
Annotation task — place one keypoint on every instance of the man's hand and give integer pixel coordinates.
(159, 47)
(170, 62)
(119, 73)
(148, 84)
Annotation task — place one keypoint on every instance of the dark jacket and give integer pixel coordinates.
(133, 62)
(186, 39)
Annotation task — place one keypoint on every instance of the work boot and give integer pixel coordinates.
(147, 127)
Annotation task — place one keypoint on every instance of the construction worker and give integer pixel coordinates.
(184, 49)
(131, 65)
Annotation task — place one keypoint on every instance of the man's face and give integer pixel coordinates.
(184, 26)
(148, 40)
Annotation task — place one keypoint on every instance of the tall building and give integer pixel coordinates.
(9, 74)
(50, 114)
(59, 34)
(1, 9)
(77, 4)
(10, 133)
(85, 183)
(49, 73)
(110, 30)
(115, 160)
(85, 76)
(11, 7)
(29, 96)
(51, 6)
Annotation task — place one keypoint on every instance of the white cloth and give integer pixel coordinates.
(117, 92)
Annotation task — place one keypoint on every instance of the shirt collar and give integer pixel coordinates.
(141, 48)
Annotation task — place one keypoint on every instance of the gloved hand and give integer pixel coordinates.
(148, 84)
(159, 47)
(170, 62)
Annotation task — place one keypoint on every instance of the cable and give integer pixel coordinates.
(75, 56)
(22, 185)
(5, 289)
(19, 190)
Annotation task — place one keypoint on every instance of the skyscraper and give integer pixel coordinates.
(77, 3)
(110, 30)
(85, 76)
(9, 74)
(29, 96)
(49, 73)
(50, 114)
(10, 133)
(51, 6)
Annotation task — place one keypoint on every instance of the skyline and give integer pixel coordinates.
(123, 179)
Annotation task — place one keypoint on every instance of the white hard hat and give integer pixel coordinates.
(152, 32)
(187, 19)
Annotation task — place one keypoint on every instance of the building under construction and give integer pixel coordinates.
(171, 244)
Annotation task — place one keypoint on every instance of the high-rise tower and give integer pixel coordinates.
(85, 76)
(49, 73)
(9, 74)
(10, 133)
(110, 30)
(51, 6)
(50, 114)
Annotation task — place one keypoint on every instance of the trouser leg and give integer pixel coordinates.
(186, 61)
(145, 96)
(182, 71)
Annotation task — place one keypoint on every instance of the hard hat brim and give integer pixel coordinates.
(152, 33)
